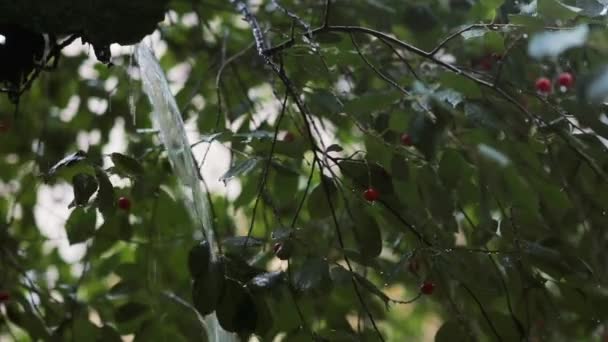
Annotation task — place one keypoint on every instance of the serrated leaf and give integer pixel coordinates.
(127, 165)
(239, 169)
(84, 186)
(80, 226)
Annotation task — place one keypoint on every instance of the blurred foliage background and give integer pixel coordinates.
(488, 214)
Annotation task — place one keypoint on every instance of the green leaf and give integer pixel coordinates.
(84, 186)
(427, 135)
(114, 228)
(493, 154)
(266, 281)
(199, 259)
(367, 233)
(462, 85)
(68, 161)
(25, 318)
(109, 334)
(555, 10)
(237, 268)
(318, 201)
(106, 201)
(130, 311)
(80, 226)
(313, 277)
(236, 311)
(451, 331)
(207, 288)
(334, 148)
(451, 168)
(503, 325)
(373, 289)
(84, 330)
(126, 165)
(236, 242)
(365, 174)
(239, 169)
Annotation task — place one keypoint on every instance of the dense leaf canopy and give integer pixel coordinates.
(377, 170)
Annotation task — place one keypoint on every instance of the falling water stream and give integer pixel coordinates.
(169, 121)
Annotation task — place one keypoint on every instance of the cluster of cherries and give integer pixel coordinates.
(564, 79)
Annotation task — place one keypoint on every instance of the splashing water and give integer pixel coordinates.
(169, 121)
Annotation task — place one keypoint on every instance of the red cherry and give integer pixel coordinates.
(565, 79)
(543, 85)
(4, 296)
(406, 139)
(289, 137)
(282, 250)
(371, 194)
(124, 203)
(427, 288)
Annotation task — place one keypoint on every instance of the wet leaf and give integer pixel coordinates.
(207, 289)
(127, 165)
(237, 242)
(68, 161)
(239, 169)
(451, 331)
(236, 310)
(318, 200)
(80, 226)
(367, 233)
(84, 186)
(199, 258)
(106, 201)
(266, 281)
(313, 277)
(130, 311)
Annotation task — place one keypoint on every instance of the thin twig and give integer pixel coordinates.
(266, 170)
